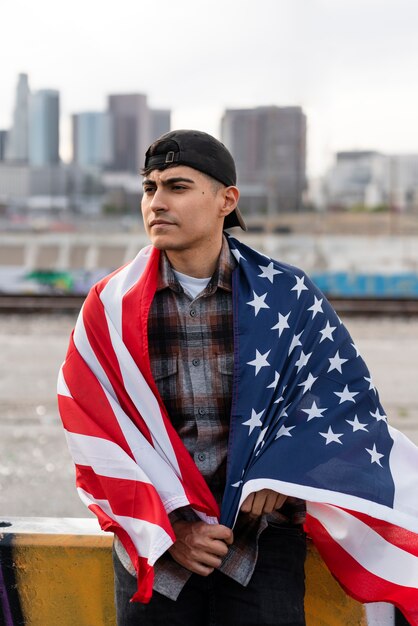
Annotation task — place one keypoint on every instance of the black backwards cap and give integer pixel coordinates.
(201, 152)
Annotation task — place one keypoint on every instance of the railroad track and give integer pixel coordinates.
(344, 306)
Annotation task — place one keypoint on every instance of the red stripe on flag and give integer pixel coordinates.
(130, 498)
(399, 537)
(144, 570)
(98, 335)
(135, 310)
(357, 581)
(89, 411)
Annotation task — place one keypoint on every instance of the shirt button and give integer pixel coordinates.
(196, 362)
(201, 456)
(202, 411)
(193, 312)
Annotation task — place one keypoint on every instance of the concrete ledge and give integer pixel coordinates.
(58, 572)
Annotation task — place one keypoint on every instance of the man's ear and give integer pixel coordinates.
(230, 200)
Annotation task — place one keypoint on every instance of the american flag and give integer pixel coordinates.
(306, 421)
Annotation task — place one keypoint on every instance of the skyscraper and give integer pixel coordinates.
(92, 139)
(131, 123)
(269, 147)
(17, 150)
(3, 142)
(135, 126)
(160, 123)
(44, 128)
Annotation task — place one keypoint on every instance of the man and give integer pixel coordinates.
(196, 455)
(186, 202)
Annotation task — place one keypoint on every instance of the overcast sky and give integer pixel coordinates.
(351, 64)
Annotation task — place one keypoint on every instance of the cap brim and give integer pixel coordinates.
(235, 219)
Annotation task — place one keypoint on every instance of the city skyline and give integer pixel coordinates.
(349, 65)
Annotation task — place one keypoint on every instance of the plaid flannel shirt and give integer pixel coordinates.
(192, 357)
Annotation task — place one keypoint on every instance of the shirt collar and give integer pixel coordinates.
(222, 277)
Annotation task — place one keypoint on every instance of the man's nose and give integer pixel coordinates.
(158, 201)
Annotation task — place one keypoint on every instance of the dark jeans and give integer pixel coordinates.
(274, 596)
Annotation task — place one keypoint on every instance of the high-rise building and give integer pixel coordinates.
(92, 139)
(3, 141)
(160, 123)
(135, 126)
(131, 125)
(17, 149)
(269, 147)
(44, 127)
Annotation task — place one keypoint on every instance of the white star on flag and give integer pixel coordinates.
(371, 384)
(284, 431)
(260, 441)
(273, 385)
(258, 303)
(239, 482)
(335, 362)
(314, 411)
(254, 421)
(379, 416)
(346, 395)
(327, 332)
(295, 343)
(278, 400)
(375, 456)
(307, 384)
(284, 412)
(300, 285)
(237, 254)
(331, 437)
(356, 349)
(281, 324)
(302, 360)
(357, 425)
(316, 307)
(268, 271)
(259, 361)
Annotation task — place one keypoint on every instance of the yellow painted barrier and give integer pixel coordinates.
(58, 572)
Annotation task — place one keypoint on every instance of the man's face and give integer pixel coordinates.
(182, 209)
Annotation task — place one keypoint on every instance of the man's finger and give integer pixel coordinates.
(280, 500)
(248, 503)
(218, 531)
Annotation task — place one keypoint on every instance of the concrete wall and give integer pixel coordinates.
(58, 572)
(313, 253)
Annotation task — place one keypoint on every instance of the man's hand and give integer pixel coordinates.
(200, 547)
(264, 501)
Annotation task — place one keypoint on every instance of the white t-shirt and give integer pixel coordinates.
(191, 285)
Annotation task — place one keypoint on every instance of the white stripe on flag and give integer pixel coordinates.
(62, 387)
(150, 540)
(143, 398)
(83, 346)
(160, 473)
(367, 547)
(121, 283)
(402, 461)
(104, 456)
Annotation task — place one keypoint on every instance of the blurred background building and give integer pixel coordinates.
(44, 117)
(363, 180)
(269, 147)
(17, 148)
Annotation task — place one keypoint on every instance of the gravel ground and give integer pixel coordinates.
(36, 473)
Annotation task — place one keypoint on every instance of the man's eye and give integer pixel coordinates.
(177, 187)
(149, 189)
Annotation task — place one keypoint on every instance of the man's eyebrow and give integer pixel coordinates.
(169, 181)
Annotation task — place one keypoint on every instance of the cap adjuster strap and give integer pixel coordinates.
(169, 157)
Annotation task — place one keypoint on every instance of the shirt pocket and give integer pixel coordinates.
(225, 364)
(163, 368)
